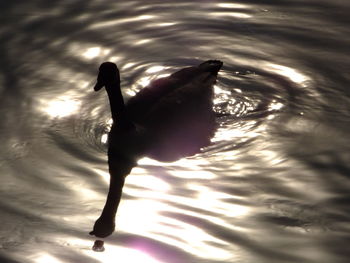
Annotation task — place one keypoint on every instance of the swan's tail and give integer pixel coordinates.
(212, 66)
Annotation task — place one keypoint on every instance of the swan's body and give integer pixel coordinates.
(174, 114)
(173, 96)
(173, 117)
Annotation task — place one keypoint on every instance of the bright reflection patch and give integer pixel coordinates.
(103, 174)
(143, 41)
(166, 24)
(46, 258)
(61, 107)
(290, 73)
(275, 105)
(221, 95)
(94, 52)
(155, 69)
(145, 17)
(230, 5)
(206, 197)
(104, 138)
(128, 65)
(224, 134)
(230, 14)
(140, 178)
(193, 174)
(184, 162)
(120, 21)
(112, 253)
(144, 81)
(184, 235)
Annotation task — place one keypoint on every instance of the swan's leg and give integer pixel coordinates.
(119, 168)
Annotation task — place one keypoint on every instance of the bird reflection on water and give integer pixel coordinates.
(171, 118)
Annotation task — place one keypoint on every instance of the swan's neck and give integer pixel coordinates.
(116, 100)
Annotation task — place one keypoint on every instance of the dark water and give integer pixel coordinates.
(272, 187)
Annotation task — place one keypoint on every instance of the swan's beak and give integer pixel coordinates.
(99, 85)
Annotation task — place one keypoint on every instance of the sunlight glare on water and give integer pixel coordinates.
(61, 107)
(290, 73)
(44, 258)
(94, 52)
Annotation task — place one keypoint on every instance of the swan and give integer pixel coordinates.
(171, 118)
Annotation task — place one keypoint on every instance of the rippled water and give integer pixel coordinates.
(272, 187)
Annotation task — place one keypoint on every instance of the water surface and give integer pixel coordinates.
(272, 187)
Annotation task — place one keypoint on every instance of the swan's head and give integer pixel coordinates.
(108, 75)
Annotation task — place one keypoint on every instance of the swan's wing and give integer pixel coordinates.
(183, 102)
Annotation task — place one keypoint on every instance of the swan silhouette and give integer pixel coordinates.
(169, 119)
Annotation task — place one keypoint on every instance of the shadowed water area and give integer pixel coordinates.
(273, 185)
